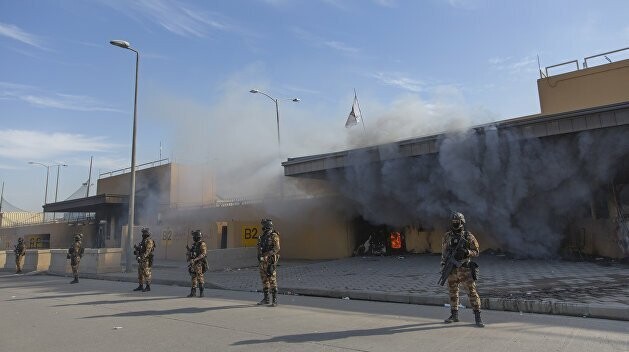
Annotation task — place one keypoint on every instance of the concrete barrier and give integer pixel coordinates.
(9, 263)
(101, 260)
(94, 261)
(3, 258)
(59, 263)
(36, 260)
(232, 258)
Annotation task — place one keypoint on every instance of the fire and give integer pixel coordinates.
(396, 240)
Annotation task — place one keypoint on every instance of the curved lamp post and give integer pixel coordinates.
(277, 114)
(277, 120)
(125, 45)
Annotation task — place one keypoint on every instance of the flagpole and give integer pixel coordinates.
(362, 118)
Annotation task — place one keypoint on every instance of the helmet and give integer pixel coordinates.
(457, 221)
(20, 240)
(196, 234)
(267, 225)
(146, 232)
(78, 237)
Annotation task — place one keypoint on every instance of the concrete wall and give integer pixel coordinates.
(309, 228)
(61, 235)
(591, 87)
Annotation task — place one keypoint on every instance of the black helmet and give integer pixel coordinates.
(267, 225)
(196, 234)
(457, 221)
(78, 236)
(20, 240)
(146, 232)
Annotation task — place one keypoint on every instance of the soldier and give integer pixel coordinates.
(268, 255)
(20, 253)
(197, 263)
(466, 273)
(144, 255)
(75, 253)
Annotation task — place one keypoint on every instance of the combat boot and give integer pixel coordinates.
(201, 291)
(193, 292)
(146, 288)
(274, 301)
(453, 318)
(264, 300)
(75, 281)
(479, 321)
(139, 288)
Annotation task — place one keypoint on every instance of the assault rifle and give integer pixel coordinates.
(451, 261)
(190, 254)
(271, 265)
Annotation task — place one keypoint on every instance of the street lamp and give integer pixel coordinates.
(57, 187)
(47, 173)
(277, 115)
(277, 120)
(125, 45)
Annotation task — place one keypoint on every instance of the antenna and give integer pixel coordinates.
(89, 178)
(608, 59)
(539, 67)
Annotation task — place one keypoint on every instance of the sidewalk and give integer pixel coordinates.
(598, 290)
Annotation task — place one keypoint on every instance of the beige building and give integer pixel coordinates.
(326, 221)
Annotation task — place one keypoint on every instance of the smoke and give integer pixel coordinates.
(522, 193)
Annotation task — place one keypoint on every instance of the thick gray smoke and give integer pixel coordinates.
(521, 192)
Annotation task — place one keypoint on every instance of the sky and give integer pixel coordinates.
(418, 67)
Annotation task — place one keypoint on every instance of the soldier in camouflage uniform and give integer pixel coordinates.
(20, 253)
(75, 253)
(268, 255)
(197, 263)
(144, 255)
(466, 273)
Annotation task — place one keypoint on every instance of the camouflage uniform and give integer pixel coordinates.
(144, 256)
(463, 274)
(20, 253)
(268, 256)
(197, 263)
(75, 253)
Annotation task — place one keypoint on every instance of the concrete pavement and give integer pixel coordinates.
(533, 286)
(45, 313)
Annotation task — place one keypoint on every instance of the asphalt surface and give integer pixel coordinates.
(597, 289)
(45, 313)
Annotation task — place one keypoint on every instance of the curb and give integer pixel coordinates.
(614, 312)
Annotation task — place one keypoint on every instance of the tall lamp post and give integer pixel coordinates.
(47, 173)
(277, 120)
(277, 115)
(125, 45)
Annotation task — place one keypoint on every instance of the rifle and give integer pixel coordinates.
(451, 262)
(271, 265)
(190, 254)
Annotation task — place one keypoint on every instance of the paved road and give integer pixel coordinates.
(45, 313)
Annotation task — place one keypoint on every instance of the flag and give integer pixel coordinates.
(354, 115)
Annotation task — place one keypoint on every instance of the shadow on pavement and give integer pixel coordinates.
(187, 310)
(337, 335)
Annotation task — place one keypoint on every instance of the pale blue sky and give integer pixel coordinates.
(418, 67)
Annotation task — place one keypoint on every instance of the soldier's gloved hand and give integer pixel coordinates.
(461, 253)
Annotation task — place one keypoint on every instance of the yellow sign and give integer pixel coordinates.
(250, 235)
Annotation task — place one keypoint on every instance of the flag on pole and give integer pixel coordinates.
(354, 115)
